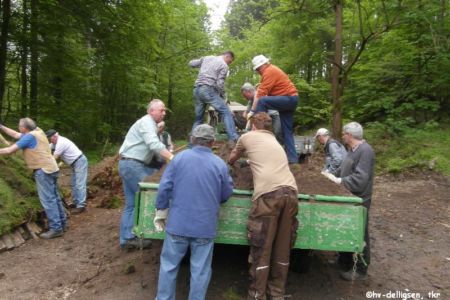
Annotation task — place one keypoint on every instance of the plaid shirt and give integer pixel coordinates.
(213, 71)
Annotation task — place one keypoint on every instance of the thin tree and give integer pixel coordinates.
(6, 8)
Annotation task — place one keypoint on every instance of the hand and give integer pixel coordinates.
(61, 164)
(243, 163)
(160, 219)
(331, 177)
(250, 115)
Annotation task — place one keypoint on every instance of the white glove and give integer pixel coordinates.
(250, 115)
(331, 177)
(160, 219)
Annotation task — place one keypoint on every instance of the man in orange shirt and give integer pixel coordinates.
(276, 91)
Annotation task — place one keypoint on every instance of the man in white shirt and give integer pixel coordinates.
(72, 156)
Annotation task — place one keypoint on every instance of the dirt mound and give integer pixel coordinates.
(105, 187)
(308, 177)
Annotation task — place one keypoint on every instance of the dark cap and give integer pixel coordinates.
(51, 132)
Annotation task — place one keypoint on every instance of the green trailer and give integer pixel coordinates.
(332, 223)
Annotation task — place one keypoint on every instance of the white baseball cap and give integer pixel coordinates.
(321, 131)
(258, 61)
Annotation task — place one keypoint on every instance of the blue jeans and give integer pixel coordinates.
(286, 107)
(132, 172)
(79, 180)
(173, 251)
(204, 95)
(50, 200)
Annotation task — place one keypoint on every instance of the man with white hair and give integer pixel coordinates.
(37, 156)
(248, 91)
(73, 157)
(276, 91)
(335, 152)
(356, 175)
(137, 151)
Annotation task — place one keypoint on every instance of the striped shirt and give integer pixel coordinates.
(213, 71)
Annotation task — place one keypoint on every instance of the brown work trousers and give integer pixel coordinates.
(272, 230)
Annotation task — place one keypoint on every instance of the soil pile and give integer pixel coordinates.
(105, 188)
(307, 175)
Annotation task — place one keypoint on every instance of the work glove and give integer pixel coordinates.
(331, 177)
(244, 163)
(250, 115)
(160, 219)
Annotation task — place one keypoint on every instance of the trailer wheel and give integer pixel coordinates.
(300, 260)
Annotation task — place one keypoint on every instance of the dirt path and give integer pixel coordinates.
(410, 235)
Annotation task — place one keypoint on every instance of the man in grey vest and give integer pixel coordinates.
(37, 155)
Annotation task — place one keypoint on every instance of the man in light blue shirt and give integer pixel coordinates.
(193, 185)
(136, 152)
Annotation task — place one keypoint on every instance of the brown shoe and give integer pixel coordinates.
(78, 210)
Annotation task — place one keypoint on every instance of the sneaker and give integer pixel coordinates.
(72, 205)
(78, 210)
(136, 244)
(51, 234)
(351, 276)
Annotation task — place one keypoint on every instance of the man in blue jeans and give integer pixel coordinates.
(210, 89)
(73, 157)
(276, 91)
(136, 153)
(193, 186)
(37, 155)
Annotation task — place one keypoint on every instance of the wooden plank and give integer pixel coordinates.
(25, 234)
(8, 240)
(18, 239)
(2, 246)
(36, 229)
(30, 231)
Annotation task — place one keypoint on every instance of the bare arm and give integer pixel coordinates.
(9, 150)
(234, 156)
(12, 133)
(4, 141)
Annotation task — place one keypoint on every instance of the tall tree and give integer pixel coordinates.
(6, 15)
(336, 78)
(34, 64)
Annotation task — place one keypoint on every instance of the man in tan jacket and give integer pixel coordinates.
(36, 152)
(272, 222)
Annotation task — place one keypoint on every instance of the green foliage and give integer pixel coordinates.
(422, 148)
(18, 198)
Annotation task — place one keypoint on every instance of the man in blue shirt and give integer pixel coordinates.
(193, 186)
(37, 156)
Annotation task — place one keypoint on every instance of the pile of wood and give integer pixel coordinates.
(18, 237)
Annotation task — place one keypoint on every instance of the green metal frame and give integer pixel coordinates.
(333, 223)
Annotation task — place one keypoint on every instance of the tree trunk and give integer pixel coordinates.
(336, 74)
(24, 61)
(34, 60)
(6, 7)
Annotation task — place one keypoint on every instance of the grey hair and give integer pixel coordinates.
(28, 123)
(247, 87)
(153, 103)
(354, 129)
(201, 141)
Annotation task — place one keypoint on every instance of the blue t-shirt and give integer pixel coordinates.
(27, 141)
(194, 184)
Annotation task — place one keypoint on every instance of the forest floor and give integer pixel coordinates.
(410, 242)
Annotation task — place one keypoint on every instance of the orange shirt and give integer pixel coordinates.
(274, 82)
